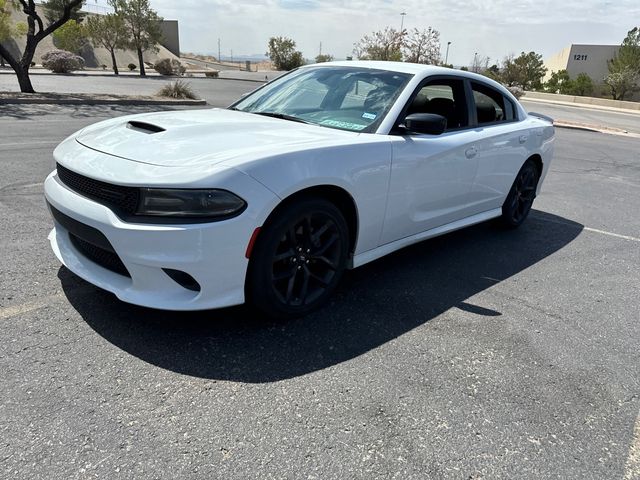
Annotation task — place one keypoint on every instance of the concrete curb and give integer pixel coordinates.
(89, 102)
(239, 79)
(591, 101)
(594, 128)
(585, 106)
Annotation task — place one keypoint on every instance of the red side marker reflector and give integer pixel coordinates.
(252, 242)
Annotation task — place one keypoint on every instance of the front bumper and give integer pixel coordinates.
(212, 253)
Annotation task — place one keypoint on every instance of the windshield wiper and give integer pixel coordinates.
(282, 116)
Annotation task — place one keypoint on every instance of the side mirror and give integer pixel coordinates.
(426, 123)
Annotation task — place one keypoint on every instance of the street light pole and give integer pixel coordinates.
(446, 58)
(402, 15)
(475, 62)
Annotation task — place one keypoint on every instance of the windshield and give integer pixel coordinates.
(347, 98)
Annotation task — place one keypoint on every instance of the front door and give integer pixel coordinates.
(432, 176)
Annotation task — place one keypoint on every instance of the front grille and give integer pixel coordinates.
(123, 199)
(104, 258)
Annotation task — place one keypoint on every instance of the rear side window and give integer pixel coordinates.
(491, 106)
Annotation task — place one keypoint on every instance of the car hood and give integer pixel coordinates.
(195, 137)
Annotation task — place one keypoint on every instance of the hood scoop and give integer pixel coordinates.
(145, 127)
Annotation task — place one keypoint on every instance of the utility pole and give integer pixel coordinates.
(446, 58)
(402, 15)
(475, 62)
(219, 60)
(320, 51)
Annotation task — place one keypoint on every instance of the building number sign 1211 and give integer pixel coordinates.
(580, 57)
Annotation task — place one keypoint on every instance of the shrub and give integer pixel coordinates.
(169, 66)
(583, 85)
(60, 61)
(213, 74)
(132, 66)
(516, 91)
(178, 89)
(104, 67)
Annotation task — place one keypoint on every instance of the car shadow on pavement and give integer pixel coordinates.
(375, 304)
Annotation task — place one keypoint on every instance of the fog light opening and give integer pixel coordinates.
(183, 279)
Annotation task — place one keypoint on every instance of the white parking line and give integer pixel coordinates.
(9, 312)
(611, 234)
(632, 467)
(592, 230)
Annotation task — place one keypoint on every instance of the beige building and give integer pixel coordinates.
(577, 59)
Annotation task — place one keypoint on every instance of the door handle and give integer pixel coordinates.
(471, 152)
(524, 138)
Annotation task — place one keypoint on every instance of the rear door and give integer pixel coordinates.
(432, 176)
(502, 143)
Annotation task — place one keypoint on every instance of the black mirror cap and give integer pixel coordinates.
(426, 123)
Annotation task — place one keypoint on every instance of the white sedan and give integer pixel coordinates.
(326, 168)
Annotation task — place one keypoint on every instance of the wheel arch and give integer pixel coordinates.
(536, 158)
(340, 197)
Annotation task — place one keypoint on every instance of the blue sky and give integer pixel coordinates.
(492, 28)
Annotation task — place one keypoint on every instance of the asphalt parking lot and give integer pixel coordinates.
(482, 354)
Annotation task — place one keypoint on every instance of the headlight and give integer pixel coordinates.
(171, 202)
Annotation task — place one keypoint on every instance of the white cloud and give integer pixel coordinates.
(492, 28)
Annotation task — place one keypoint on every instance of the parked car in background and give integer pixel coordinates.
(324, 169)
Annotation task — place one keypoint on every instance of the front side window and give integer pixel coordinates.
(445, 98)
(347, 98)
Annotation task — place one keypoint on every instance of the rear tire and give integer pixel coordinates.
(518, 204)
(299, 259)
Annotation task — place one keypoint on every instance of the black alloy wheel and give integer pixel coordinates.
(299, 259)
(518, 204)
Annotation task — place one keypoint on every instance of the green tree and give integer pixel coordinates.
(322, 58)
(72, 37)
(384, 44)
(624, 67)
(8, 29)
(621, 83)
(628, 56)
(142, 24)
(583, 85)
(493, 72)
(53, 9)
(526, 71)
(560, 82)
(283, 53)
(36, 31)
(108, 31)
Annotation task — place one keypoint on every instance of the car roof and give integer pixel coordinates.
(406, 67)
(401, 67)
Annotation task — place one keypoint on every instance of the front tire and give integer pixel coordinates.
(299, 259)
(518, 204)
